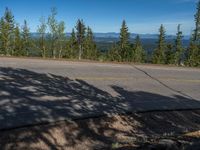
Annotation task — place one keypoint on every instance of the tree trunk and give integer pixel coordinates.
(27, 52)
(7, 53)
(54, 55)
(80, 52)
(53, 50)
(44, 52)
(60, 52)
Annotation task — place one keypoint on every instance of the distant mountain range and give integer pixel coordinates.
(105, 41)
(133, 35)
(111, 35)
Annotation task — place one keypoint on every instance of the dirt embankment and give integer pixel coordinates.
(175, 130)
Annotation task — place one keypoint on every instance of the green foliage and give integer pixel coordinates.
(80, 35)
(193, 52)
(26, 38)
(10, 24)
(2, 35)
(7, 32)
(196, 35)
(61, 37)
(178, 57)
(159, 53)
(42, 38)
(17, 50)
(138, 53)
(122, 51)
(124, 42)
(193, 55)
(53, 27)
(114, 53)
(89, 45)
(72, 46)
(169, 54)
(81, 43)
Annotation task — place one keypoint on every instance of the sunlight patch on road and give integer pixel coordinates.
(128, 78)
(103, 78)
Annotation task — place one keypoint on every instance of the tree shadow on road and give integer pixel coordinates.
(28, 98)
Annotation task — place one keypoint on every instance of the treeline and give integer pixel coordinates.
(16, 40)
(165, 53)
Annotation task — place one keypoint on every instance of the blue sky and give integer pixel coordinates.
(142, 16)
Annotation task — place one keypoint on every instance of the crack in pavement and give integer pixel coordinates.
(160, 82)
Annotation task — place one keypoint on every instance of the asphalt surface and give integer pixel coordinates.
(34, 91)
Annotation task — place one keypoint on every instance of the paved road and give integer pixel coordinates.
(34, 91)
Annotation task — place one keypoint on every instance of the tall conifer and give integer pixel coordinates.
(124, 42)
(42, 36)
(26, 38)
(178, 46)
(80, 35)
(159, 53)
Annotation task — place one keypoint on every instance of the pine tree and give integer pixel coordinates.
(17, 42)
(80, 35)
(2, 36)
(90, 46)
(26, 38)
(138, 54)
(193, 55)
(10, 24)
(193, 51)
(169, 54)
(196, 36)
(178, 47)
(114, 53)
(159, 53)
(124, 42)
(73, 46)
(7, 32)
(61, 37)
(53, 27)
(42, 36)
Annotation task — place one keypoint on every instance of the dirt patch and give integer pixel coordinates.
(178, 129)
(193, 134)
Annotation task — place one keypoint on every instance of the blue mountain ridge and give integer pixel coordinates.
(116, 35)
